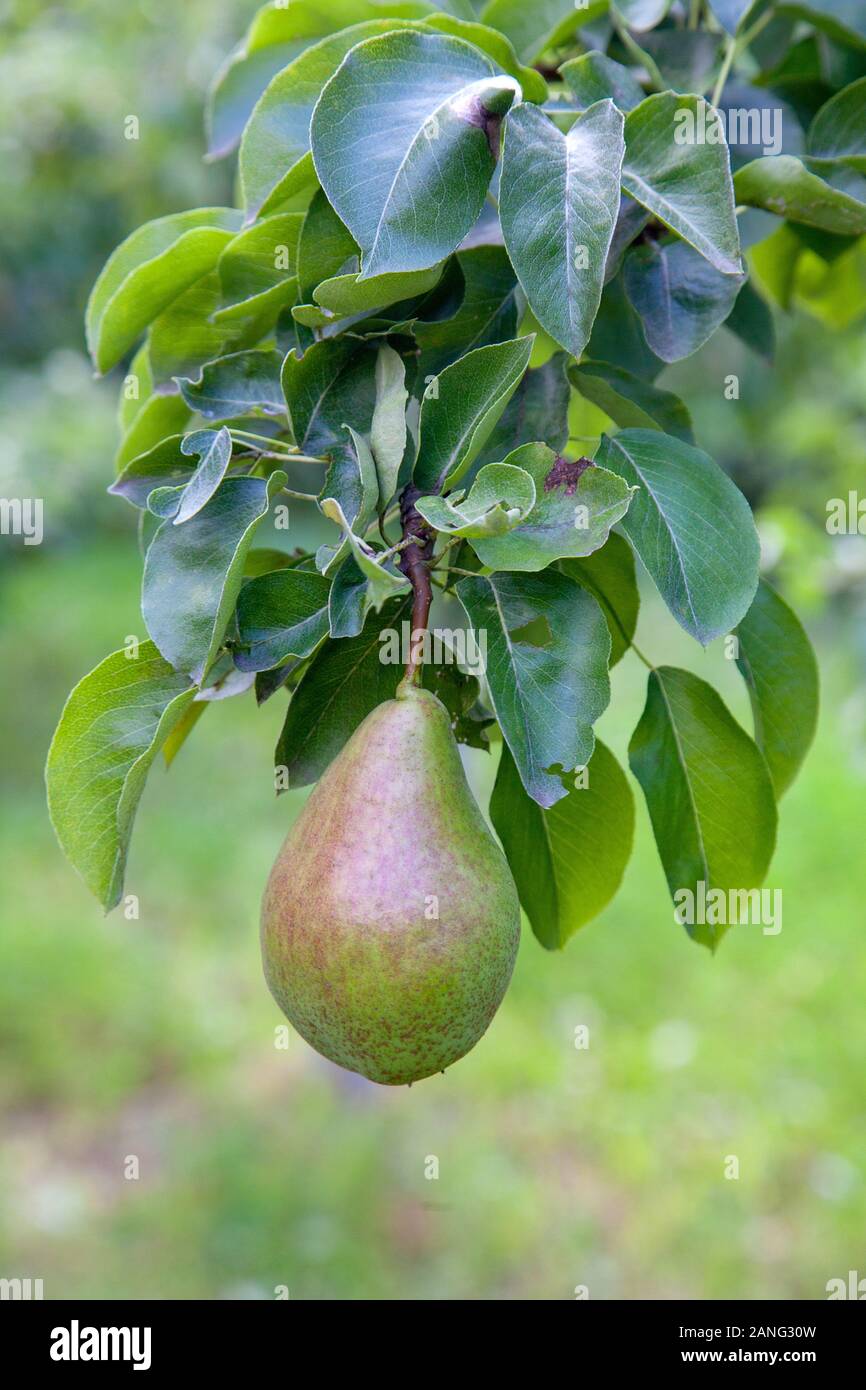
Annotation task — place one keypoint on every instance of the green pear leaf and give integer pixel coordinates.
(242, 383)
(837, 135)
(783, 185)
(532, 28)
(310, 317)
(325, 246)
(137, 387)
(496, 46)
(781, 673)
(281, 614)
(166, 465)
(731, 13)
(691, 527)
(629, 401)
(158, 417)
(278, 34)
(164, 501)
(334, 382)
(774, 263)
(357, 486)
(264, 559)
(184, 336)
(547, 647)
(630, 222)
(752, 320)
(281, 33)
(182, 730)
(459, 694)
(559, 200)
(576, 503)
(501, 497)
(567, 861)
(707, 788)
(609, 575)
(642, 14)
(383, 583)
(193, 573)
(224, 682)
(284, 677)
(461, 407)
(275, 161)
(843, 20)
(836, 291)
(237, 86)
(592, 77)
(343, 295)
(214, 448)
(618, 336)
(345, 680)
(349, 602)
(388, 426)
(681, 298)
(259, 256)
(147, 271)
(258, 272)
(487, 312)
(685, 184)
(538, 410)
(419, 113)
(330, 385)
(111, 729)
(684, 59)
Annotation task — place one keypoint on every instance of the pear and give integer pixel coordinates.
(390, 921)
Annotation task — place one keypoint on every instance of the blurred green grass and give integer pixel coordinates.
(262, 1167)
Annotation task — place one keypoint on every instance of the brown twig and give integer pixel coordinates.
(415, 564)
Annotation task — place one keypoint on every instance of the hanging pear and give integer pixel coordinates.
(390, 921)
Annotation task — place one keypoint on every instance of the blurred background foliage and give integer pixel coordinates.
(155, 1037)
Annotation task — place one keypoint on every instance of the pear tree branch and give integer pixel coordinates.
(415, 565)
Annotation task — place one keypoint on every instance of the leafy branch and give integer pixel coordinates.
(442, 356)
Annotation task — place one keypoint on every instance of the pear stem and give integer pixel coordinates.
(415, 565)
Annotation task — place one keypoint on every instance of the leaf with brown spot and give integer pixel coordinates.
(576, 504)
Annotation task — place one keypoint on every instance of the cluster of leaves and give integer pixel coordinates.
(456, 226)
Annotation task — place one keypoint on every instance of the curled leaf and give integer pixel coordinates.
(501, 496)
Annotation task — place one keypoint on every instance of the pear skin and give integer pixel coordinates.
(390, 921)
